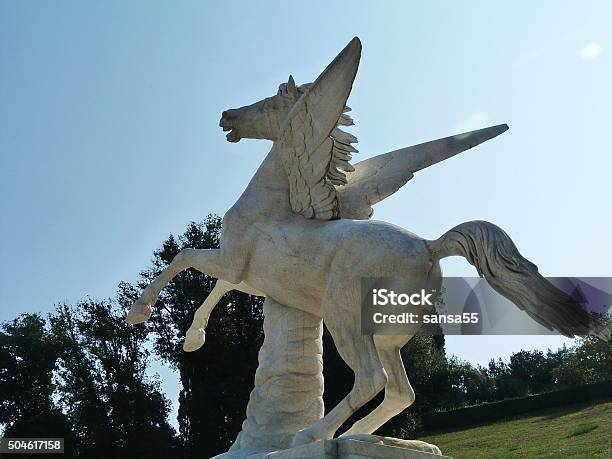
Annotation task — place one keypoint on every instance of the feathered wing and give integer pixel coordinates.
(376, 178)
(304, 142)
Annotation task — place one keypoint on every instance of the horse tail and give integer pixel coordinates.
(491, 251)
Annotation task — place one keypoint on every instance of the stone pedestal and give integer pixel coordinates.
(360, 447)
(288, 393)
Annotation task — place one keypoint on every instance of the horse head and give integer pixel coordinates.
(263, 119)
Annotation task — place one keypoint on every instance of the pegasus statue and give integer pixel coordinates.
(302, 235)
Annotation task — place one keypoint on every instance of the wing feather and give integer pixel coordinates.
(376, 178)
(304, 142)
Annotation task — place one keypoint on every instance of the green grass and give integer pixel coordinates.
(583, 430)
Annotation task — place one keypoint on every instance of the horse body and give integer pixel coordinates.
(329, 259)
(314, 252)
(276, 246)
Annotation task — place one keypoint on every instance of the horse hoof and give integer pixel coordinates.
(139, 313)
(194, 339)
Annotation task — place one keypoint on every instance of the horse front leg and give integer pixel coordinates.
(196, 334)
(213, 262)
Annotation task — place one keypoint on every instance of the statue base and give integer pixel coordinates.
(357, 447)
(288, 392)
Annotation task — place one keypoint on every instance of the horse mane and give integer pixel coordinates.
(342, 148)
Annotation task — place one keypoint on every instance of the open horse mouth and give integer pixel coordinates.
(232, 135)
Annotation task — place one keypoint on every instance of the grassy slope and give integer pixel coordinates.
(583, 430)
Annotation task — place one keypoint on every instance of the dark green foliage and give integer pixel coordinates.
(28, 356)
(506, 385)
(81, 376)
(102, 383)
(28, 353)
(489, 412)
(467, 385)
(590, 362)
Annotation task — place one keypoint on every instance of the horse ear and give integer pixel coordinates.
(291, 88)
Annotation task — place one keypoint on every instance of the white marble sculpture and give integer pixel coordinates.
(301, 235)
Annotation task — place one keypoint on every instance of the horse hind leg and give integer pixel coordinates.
(341, 314)
(399, 394)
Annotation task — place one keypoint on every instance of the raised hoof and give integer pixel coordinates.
(194, 339)
(139, 313)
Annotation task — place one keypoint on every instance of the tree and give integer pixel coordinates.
(467, 385)
(217, 379)
(81, 376)
(596, 354)
(506, 385)
(534, 369)
(113, 407)
(28, 354)
(590, 361)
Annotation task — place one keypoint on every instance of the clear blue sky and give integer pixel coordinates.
(109, 137)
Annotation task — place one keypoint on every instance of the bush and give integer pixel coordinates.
(495, 411)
